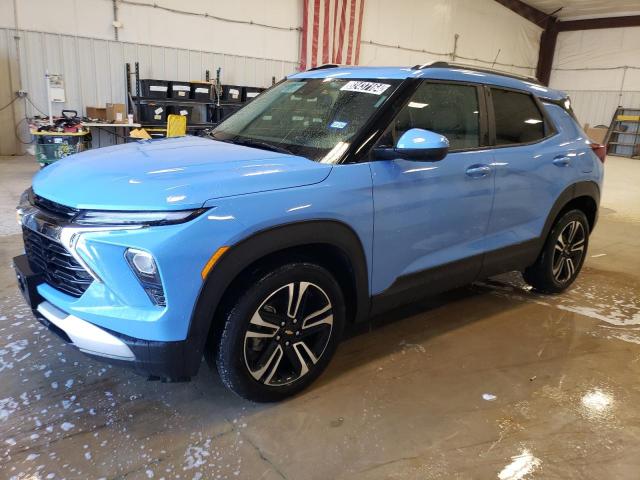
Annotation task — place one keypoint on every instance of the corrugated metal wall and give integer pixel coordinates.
(9, 83)
(94, 73)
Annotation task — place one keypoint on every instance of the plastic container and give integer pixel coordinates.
(223, 112)
(150, 88)
(152, 113)
(249, 93)
(201, 91)
(185, 110)
(179, 90)
(231, 93)
(53, 146)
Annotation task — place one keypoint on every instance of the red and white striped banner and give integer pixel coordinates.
(331, 32)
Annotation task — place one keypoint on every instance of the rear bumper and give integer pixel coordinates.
(168, 361)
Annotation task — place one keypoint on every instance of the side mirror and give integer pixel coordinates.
(424, 145)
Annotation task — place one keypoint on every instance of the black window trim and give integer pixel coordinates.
(360, 148)
(373, 134)
(550, 129)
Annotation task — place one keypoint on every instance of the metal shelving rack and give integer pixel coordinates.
(156, 129)
(623, 136)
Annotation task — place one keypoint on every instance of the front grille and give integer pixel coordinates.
(55, 263)
(54, 208)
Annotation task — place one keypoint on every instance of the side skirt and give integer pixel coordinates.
(420, 285)
(425, 283)
(514, 257)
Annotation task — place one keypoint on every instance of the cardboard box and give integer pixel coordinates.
(116, 113)
(97, 113)
(596, 134)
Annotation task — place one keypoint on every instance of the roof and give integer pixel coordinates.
(455, 73)
(582, 9)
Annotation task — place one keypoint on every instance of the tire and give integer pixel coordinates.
(262, 360)
(563, 254)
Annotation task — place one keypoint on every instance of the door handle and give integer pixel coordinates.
(478, 171)
(562, 161)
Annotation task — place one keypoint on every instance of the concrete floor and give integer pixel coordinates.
(490, 381)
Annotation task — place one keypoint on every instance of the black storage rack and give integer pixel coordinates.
(134, 100)
(214, 109)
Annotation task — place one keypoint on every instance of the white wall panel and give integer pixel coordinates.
(94, 72)
(484, 26)
(600, 69)
(153, 26)
(597, 107)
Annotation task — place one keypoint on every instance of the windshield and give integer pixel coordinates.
(314, 118)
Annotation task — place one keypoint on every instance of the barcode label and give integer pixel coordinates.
(157, 88)
(366, 87)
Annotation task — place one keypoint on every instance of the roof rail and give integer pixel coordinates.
(474, 68)
(321, 67)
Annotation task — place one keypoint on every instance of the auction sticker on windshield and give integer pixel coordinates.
(365, 87)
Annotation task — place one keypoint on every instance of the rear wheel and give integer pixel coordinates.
(562, 256)
(280, 334)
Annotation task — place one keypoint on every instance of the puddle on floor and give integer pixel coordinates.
(608, 297)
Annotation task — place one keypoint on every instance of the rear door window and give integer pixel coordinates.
(517, 118)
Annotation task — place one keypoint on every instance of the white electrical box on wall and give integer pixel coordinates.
(56, 88)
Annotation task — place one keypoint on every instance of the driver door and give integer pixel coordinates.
(431, 216)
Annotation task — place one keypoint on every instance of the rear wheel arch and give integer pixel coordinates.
(584, 196)
(331, 244)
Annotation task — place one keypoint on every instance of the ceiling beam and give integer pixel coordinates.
(593, 23)
(551, 27)
(527, 11)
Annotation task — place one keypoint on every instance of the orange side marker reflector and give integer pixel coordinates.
(212, 261)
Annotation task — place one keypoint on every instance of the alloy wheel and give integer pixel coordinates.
(288, 334)
(568, 252)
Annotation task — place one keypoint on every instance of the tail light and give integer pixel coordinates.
(600, 150)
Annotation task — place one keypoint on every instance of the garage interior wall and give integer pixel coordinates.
(257, 41)
(600, 69)
(413, 32)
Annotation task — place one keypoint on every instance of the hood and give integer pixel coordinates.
(170, 174)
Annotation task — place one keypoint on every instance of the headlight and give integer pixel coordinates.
(25, 203)
(103, 217)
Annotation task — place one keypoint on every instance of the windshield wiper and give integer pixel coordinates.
(248, 142)
(213, 136)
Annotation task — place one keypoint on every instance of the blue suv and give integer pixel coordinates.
(337, 194)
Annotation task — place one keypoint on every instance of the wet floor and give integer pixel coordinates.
(489, 381)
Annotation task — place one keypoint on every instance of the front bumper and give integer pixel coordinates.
(86, 336)
(157, 359)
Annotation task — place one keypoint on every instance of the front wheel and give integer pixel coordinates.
(563, 254)
(281, 332)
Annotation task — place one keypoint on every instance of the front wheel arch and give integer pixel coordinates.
(262, 249)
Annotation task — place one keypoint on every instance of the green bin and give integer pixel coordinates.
(52, 146)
